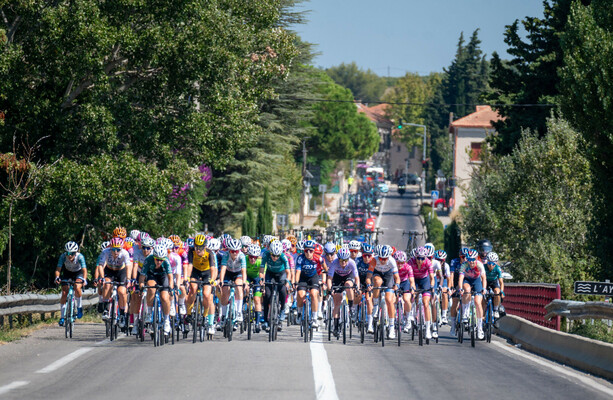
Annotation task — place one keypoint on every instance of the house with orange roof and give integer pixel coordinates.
(393, 154)
(468, 134)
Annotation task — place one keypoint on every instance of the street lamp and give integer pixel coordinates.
(423, 172)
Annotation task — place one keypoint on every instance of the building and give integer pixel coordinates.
(393, 155)
(468, 135)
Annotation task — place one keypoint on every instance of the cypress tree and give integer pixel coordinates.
(264, 223)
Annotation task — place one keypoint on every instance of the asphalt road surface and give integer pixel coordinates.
(48, 366)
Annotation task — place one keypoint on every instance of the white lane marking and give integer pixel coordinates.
(64, 360)
(13, 385)
(553, 366)
(381, 213)
(325, 389)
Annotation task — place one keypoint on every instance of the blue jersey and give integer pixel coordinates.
(455, 265)
(308, 268)
(362, 266)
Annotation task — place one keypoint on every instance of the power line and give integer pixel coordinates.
(412, 103)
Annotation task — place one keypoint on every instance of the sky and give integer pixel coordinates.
(399, 36)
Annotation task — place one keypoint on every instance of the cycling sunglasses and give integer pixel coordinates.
(72, 253)
(383, 259)
(309, 251)
(421, 258)
(147, 248)
(115, 249)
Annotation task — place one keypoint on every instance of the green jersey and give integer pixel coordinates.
(253, 269)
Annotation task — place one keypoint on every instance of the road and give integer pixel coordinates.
(47, 366)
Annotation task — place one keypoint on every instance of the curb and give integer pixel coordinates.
(586, 354)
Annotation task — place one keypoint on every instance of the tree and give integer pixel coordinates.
(249, 227)
(535, 205)
(587, 95)
(264, 224)
(366, 86)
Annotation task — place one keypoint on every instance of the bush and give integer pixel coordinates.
(598, 331)
(434, 227)
(453, 240)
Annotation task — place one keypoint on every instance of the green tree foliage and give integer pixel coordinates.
(587, 95)
(535, 205)
(453, 240)
(264, 223)
(341, 132)
(434, 227)
(366, 86)
(531, 76)
(249, 227)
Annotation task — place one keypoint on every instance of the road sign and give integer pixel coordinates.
(598, 288)
(434, 195)
(282, 220)
(322, 188)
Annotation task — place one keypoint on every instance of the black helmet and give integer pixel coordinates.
(484, 246)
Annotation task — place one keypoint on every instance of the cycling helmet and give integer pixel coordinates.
(160, 240)
(144, 235)
(213, 244)
(134, 234)
(254, 250)
(189, 242)
(330, 248)
(234, 244)
(105, 245)
(319, 249)
(71, 247)
(160, 251)
(421, 252)
(385, 251)
(292, 239)
(344, 254)
(120, 232)
(287, 245)
(148, 242)
(413, 252)
(266, 240)
(129, 242)
(168, 243)
(378, 249)
(484, 246)
(354, 245)
(176, 239)
(429, 249)
(492, 257)
(300, 245)
(309, 244)
(440, 255)
(246, 241)
(116, 242)
(464, 251)
(199, 240)
(366, 248)
(472, 254)
(400, 256)
(276, 248)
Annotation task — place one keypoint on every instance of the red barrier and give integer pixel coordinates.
(528, 300)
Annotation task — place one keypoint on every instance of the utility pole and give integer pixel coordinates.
(423, 171)
(304, 170)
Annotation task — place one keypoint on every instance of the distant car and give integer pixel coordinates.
(383, 188)
(413, 179)
(439, 204)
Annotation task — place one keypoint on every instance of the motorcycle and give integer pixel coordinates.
(401, 190)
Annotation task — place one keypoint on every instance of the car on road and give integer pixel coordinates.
(413, 179)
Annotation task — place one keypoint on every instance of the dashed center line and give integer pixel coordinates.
(64, 360)
(13, 385)
(325, 389)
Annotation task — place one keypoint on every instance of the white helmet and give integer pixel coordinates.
(429, 249)
(286, 244)
(71, 247)
(105, 245)
(148, 242)
(254, 250)
(246, 241)
(213, 244)
(276, 248)
(354, 245)
(134, 234)
(160, 251)
(233, 244)
(385, 251)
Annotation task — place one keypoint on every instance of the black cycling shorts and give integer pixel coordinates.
(68, 275)
(308, 281)
(198, 275)
(161, 280)
(340, 280)
(117, 275)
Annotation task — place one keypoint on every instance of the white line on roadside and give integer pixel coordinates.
(64, 360)
(381, 213)
(325, 389)
(553, 366)
(13, 385)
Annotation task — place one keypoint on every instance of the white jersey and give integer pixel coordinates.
(390, 265)
(176, 264)
(108, 258)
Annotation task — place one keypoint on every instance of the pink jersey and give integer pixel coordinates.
(290, 260)
(404, 271)
(425, 270)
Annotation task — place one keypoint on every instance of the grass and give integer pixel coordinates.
(24, 329)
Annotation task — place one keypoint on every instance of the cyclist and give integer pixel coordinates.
(354, 249)
(363, 265)
(424, 280)
(117, 267)
(71, 266)
(274, 267)
(383, 272)
(178, 273)
(202, 266)
(254, 262)
(407, 282)
(329, 253)
(141, 252)
(454, 275)
(233, 269)
(342, 272)
(287, 246)
(441, 256)
(493, 275)
(484, 246)
(98, 274)
(472, 277)
(246, 242)
(157, 271)
(308, 271)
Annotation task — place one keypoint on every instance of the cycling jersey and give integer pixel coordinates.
(234, 265)
(494, 274)
(308, 268)
(176, 264)
(390, 265)
(436, 266)
(279, 265)
(138, 257)
(290, 260)
(421, 272)
(110, 260)
(203, 262)
(182, 252)
(362, 266)
(253, 269)
(75, 265)
(149, 267)
(472, 273)
(335, 267)
(405, 272)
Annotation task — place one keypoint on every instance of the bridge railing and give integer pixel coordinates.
(529, 301)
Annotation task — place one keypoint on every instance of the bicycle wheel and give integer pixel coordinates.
(127, 316)
(422, 331)
(161, 334)
(141, 329)
(329, 319)
(271, 317)
(460, 328)
(382, 326)
(344, 322)
(195, 313)
(67, 317)
(173, 329)
(473, 324)
(362, 321)
(155, 322)
(249, 317)
(230, 320)
(489, 326)
(399, 316)
(113, 320)
(305, 321)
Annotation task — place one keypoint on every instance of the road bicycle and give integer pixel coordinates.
(231, 312)
(470, 325)
(490, 321)
(248, 312)
(419, 327)
(70, 314)
(306, 323)
(412, 241)
(362, 314)
(155, 323)
(198, 321)
(399, 315)
(345, 322)
(113, 317)
(273, 310)
(380, 317)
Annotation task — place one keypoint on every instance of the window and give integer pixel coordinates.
(475, 151)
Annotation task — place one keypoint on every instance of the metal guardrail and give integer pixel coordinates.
(579, 309)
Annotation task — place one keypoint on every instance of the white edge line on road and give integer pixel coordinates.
(64, 360)
(325, 389)
(381, 213)
(591, 383)
(13, 385)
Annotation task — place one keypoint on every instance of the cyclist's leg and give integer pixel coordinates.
(465, 298)
(238, 297)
